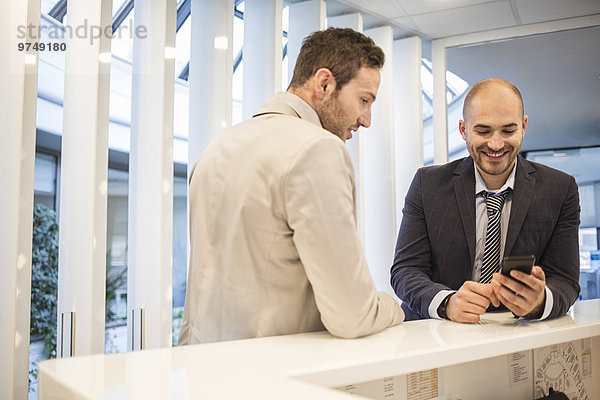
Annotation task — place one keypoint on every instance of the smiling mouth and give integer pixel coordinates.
(497, 154)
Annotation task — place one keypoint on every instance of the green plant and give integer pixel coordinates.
(115, 279)
(176, 326)
(44, 281)
(44, 277)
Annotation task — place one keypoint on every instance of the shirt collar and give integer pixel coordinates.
(289, 103)
(480, 184)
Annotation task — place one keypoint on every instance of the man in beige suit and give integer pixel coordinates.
(274, 247)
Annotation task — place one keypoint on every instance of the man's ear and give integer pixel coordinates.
(323, 83)
(462, 128)
(525, 118)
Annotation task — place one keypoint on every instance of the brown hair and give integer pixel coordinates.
(484, 84)
(342, 51)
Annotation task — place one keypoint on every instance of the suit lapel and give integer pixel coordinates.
(524, 188)
(464, 190)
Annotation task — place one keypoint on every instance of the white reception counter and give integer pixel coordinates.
(468, 362)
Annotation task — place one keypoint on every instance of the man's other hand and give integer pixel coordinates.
(471, 301)
(523, 294)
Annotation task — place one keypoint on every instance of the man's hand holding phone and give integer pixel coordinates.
(521, 292)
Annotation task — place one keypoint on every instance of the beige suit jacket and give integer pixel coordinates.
(274, 248)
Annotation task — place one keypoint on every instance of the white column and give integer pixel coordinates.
(263, 52)
(353, 21)
(211, 70)
(150, 236)
(18, 70)
(378, 166)
(84, 163)
(305, 17)
(354, 145)
(440, 105)
(408, 107)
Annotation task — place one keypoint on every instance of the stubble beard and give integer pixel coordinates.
(490, 169)
(329, 113)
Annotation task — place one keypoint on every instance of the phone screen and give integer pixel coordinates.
(521, 263)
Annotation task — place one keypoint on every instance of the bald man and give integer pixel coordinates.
(461, 218)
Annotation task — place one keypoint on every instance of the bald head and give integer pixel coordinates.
(489, 83)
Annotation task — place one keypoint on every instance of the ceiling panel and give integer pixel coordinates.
(457, 21)
(412, 7)
(370, 18)
(384, 8)
(335, 8)
(407, 22)
(380, 8)
(532, 11)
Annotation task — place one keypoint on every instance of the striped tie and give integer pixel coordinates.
(491, 252)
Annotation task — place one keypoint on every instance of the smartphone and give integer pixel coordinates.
(521, 263)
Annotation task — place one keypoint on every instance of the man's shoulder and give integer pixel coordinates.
(543, 171)
(277, 137)
(294, 134)
(441, 179)
(273, 129)
(281, 123)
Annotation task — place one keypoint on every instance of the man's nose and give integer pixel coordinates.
(496, 142)
(365, 119)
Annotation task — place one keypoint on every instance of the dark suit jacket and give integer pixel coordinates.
(436, 242)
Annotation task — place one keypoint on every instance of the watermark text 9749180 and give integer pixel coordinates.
(41, 46)
(31, 40)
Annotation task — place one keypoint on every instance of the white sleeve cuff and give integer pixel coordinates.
(437, 300)
(548, 306)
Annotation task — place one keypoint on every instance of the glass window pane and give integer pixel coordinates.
(182, 46)
(426, 82)
(116, 5)
(589, 258)
(47, 5)
(122, 40)
(584, 165)
(45, 174)
(179, 252)
(455, 88)
(44, 269)
(456, 84)
(285, 18)
(237, 83)
(237, 94)
(238, 35)
(285, 22)
(427, 107)
(284, 67)
(116, 262)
